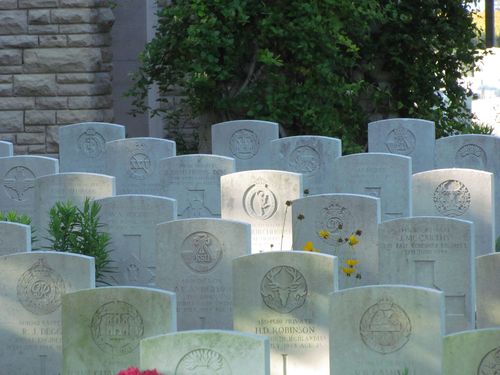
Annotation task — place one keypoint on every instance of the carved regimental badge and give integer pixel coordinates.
(244, 144)
(139, 165)
(304, 159)
(91, 143)
(337, 220)
(40, 288)
(400, 141)
(259, 201)
(18, 182)
(490, 364)
(283, 289)
(452, 198)
(385, 327)
(203, 361)
(201, 252)
(117, 327)
(471, 156)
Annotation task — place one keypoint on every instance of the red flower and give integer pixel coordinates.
(136, 371)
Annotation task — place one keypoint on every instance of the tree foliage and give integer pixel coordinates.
(316, 67)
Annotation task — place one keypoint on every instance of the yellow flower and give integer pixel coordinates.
(353, 240)
(348, 270)
(324, 234)
(309, 246)
(352, 262)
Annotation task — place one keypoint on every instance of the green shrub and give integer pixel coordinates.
(78, 231)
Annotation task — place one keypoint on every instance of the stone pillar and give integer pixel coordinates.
(55, 69)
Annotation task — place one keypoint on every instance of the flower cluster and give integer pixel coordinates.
(350, 264)
(136, 371)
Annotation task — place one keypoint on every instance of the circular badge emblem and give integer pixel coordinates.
(337, 220)
(203, 362)
(139, 166)
(304, 159)
(17, 182)
(260, 202)
(201, 252)
(283, 289)
(117, 327)
(91, 143)
(40, 288)
(244, 144)
(490, 364)
(471, 156)
(401, 141)
(452, 198)
(385, 327)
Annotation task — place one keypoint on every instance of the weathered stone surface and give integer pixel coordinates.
(34, 128)
(53, 40)
(43, 29)
(89, 102)
(80, 28)
(37, 3)
(83, 3)
(62, 60)
(8, 4)
(63, 16)
(11, 121)
(15, 69)
(38, 117)
(39, 17)
(7, 78)
(52, 138)
(30, 138)
(84, 89)
(76, 78)
(36, 149)
(18, 41)
(11, 56)
(35, 85)
(89, 40)
(70, 117)
(51, 102)
(13, 22)
(17, 103)
(6, 89)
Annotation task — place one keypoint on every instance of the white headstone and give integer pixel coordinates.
(194, 256)
(284, 295)
(14, 238)
(63, 187)
(206, 352)
(130, 221)
(465, 194)
(18, 175)
(263, 199)
(6, 149)
(472, 352)
(384, 176)
(386, 330)
(405, 136)
(488, 290)
(102, 327)
(31, 287)
(329, 220)
(433, 252)
(135, 163)
(247, 141)
(194, 181)
(82, 146)
(474, 151)
(310, 155)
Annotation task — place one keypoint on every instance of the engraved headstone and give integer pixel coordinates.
(14, 238)
(102, 327)
(284, 295)
(63, 187)
(433, 252)
(488, 291)
(247, 141)
(472, 352)
(329, 220)
(194, 181)
(130, 221)
(386, 330)
(384, 176)
(31, 286)
(465, 194)
(18, 174)
(195, 257)
(404, 136)
(135, 163)
(82, 147)
(310, 155)
(6, 149)
(207, 352)
(262, 198)
(474, 151)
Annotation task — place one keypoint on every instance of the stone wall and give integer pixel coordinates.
(55, 69)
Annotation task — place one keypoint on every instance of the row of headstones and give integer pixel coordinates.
(53, 317)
